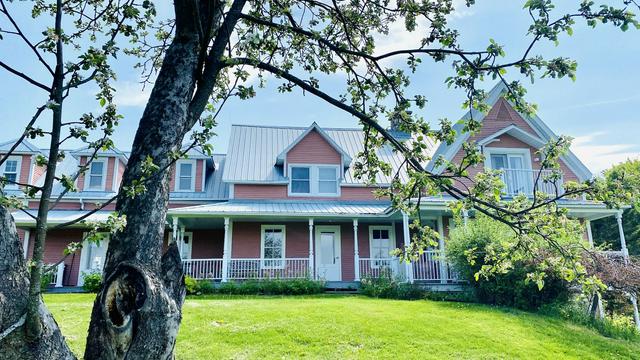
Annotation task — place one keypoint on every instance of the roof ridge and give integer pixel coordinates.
(295, 127)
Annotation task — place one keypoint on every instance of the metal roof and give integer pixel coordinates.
(214, 188)
(24, 147)
(287, 208)
(59, 216)
(253, 152)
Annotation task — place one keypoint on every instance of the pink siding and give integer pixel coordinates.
(38, 171)
(313, 149)
(111, 164)
(245, 191)
(498, 118)
(172, 178)
(346, 256)
(57, 241)
(245, 241)
(83, 161)
(25, 168)
(120, 173)
(207, 244)
(199, 170)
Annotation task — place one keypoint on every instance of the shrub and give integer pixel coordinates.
(387, 287)
(92, 281)
(272, 287)
(45, 280)
(191, 285)
(510, 286)
(205, 287)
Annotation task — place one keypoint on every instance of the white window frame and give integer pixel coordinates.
(488, 151)
(18, 160)
(284, 246)
(314, 180)
(193, 175)
(392, 238)
(103, 180)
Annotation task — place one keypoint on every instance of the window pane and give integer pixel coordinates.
(273, 244)
(10, 177)
(499, 161)
(300, 186)
(516, 162)
(95, 181)
(185, 183)
(327, 174)
(300, 173)
(96, 168)
(11, 166)
(185, 169)
(328, 187)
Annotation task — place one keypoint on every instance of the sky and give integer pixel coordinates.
(599, 109)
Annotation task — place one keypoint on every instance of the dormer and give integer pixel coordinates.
(314, 164)
(189, 175)
(104, 173)
(20, 166)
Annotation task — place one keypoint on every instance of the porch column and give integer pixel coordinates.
(465, 217)
(225, 250)
(59, 274)
(636, 316)
(356, 252)
(181, 239)
(174, 232)
(444, 273)
(311, 272)
(408, 266)
(25, 243)
(589, 234)
(623, 242)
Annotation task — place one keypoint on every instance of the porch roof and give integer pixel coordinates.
(60, 217)
(287, 208)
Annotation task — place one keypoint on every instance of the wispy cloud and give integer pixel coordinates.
(604, 102)
(131, 94)
(599, 157)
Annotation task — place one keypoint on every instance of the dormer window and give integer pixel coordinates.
(97, 174)
(314, 180)
(10, 171)
(186, 175)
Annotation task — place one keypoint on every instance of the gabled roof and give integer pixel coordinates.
(87, 151)
(253, 151)
(24, 147)
(346, 159)
(517, 133)
(542, 131)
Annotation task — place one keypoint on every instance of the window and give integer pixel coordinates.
(185, 179)
(314, 180)
(381, 243)
(97, 175)
(516, 168)
(272, 246)
(10, 171)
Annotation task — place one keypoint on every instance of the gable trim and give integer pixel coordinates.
(346, 159)
(515, 132)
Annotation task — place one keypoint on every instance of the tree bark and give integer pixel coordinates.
(14, 295)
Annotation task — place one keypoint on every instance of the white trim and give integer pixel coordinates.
(488, 151)
(25, 243)
(18, 160)
(176, 181)
(231, 190)
(103, 180)
(441, 247)
(284, 246)
(314, 180)
(114, 182)
(516, 133)
(392, 239)
(336, 230)
(204, 173)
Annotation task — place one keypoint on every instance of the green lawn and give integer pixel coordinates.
(333, 327)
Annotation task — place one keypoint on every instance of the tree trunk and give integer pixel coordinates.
(14, 294)
(137, 314)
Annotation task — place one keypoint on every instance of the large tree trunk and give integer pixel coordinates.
(14, 294)
(137, 314)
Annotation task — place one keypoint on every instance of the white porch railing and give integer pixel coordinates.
(521, 181)
(377, 267)
(432, 266)
(57, 274)
(203, 269)
(242, 269)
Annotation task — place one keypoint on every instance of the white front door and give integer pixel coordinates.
(328, 251)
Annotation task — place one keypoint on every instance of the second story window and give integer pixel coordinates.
(516, 169)
(314, 180)
(185, 177)
(10, 172)
(97, 174)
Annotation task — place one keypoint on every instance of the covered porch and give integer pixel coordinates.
(331, 241)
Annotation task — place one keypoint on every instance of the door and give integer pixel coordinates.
(328, 253)
(517, 177)
(186, 246)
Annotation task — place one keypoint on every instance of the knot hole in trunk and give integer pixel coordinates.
(125, 292)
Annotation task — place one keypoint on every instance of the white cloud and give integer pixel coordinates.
(599, 157)
(132, 94)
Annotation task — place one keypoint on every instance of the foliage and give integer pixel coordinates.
(387, 287)
(613, 325)
(45, 280)
(92, 281)
(606, 235)
(191, 285)
(272, 287)
(525, 282)
(465, 296)
(350, 327)
(198, 287)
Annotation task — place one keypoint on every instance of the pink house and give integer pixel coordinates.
(284, 203)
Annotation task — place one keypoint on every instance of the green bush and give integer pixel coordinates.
(191, 285)
(272, 287)
(510, 286)
(92, 282)
(387, 287)
(575, 311)
(206, 287)
(45, 280)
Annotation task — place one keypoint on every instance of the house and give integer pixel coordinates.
(284, 202)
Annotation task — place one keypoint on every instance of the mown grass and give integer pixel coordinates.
(330, 327)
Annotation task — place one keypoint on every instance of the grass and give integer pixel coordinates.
(330, 327)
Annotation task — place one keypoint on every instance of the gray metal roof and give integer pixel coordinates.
(253, 152)
(287, 208)
(214, 188)
(24, 147)
(59, 216)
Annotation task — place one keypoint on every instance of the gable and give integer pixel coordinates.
(313, 149)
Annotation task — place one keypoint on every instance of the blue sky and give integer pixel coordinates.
(599, 109)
